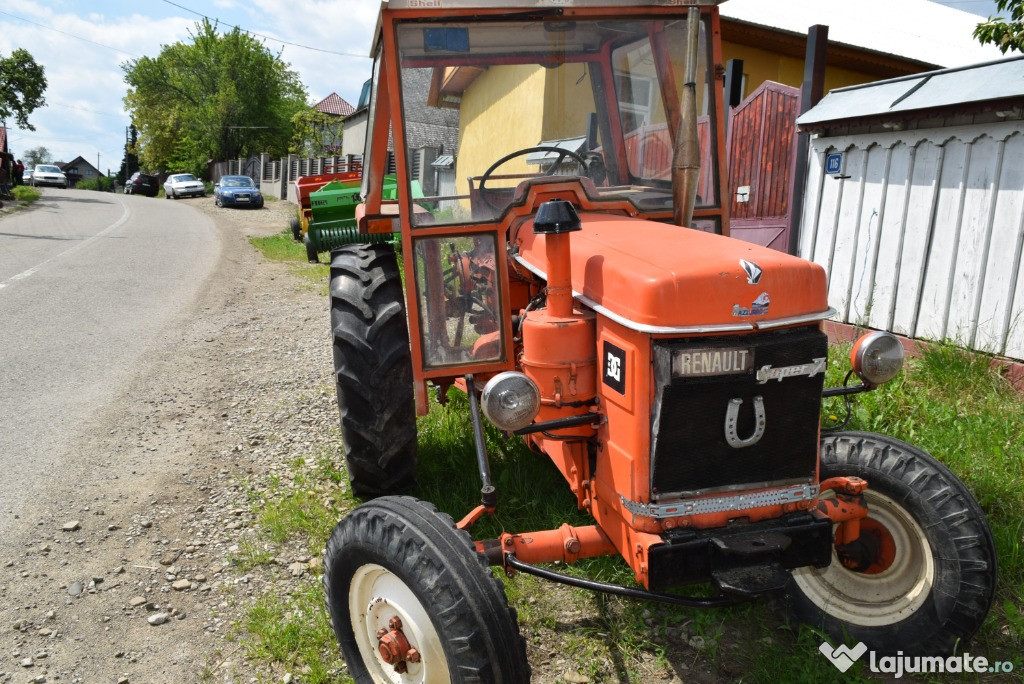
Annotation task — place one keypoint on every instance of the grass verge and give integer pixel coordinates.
(281, 247)
(26, 194)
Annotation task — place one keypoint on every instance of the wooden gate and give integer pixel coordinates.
(760, 152)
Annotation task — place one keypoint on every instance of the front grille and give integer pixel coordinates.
(689, 449)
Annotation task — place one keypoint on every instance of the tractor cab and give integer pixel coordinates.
(529, 103)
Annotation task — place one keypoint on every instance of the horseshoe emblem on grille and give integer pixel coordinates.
(732, 436)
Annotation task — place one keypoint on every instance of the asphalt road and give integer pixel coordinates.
(90, 283)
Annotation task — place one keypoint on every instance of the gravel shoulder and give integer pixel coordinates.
(122, 571)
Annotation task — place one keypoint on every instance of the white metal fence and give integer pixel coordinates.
(922, 232)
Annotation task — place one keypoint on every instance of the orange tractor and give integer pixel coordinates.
(574, 277)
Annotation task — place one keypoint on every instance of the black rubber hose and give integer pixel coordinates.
(629, 592)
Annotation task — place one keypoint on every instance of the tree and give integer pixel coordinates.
(1006, 35)
(219, 96)
(22, 84)
(315, 134)
(130, 162)
(36, 155)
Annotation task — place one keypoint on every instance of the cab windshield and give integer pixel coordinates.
(489, 106)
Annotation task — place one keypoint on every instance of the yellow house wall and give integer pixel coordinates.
(761, 65)
(566, 116)
(492, 121)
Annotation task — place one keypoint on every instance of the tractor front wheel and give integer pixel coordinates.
(925, 568)
(312, 256)
(411, 600)
(373, 370)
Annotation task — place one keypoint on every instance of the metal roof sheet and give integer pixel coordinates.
(571, 144)
(999, 80)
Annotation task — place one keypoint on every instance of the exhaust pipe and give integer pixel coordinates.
(686, 154)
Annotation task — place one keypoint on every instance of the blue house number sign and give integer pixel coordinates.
(834, 164)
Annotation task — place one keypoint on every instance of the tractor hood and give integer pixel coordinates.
(661, 278)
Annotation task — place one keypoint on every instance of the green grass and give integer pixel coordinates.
(99, 183)
(281, 247)
(26, 194)
(294, 633)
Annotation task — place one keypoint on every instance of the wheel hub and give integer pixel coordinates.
(394, 648)
(871, 553)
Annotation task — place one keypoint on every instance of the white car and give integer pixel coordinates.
(183, 185)
(48, 174)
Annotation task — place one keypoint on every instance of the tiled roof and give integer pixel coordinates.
(334, 104)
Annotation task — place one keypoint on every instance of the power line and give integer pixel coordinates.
(79, 108)
(84, 40)
(260, 35)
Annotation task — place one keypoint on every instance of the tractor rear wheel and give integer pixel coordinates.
(296, 228)
(373, 369)
(411, 600)
(930, 578)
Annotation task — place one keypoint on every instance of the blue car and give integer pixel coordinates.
(237, 191)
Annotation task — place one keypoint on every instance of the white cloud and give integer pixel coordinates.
(83, 49)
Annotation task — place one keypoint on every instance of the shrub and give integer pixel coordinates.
(26, 194)
(101, 183)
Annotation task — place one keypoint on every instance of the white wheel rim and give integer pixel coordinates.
(375, 596)
(884, 598)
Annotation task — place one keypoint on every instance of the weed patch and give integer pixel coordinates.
(280, 247)
(294, 633)
(26, 194)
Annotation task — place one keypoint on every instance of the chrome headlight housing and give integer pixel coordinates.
(877, 357)
(510, 400)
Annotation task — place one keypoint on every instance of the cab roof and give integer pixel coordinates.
(539, 5)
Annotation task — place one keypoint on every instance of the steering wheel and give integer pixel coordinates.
(560, 151)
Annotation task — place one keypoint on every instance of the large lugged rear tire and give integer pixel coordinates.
(397, 561)
(930, 592)
(373, 370)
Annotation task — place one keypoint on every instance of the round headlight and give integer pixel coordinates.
(510, 400)
(877, 357)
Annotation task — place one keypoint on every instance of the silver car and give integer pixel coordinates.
(48, 174)
(183, 185)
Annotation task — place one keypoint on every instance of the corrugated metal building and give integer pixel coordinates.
(915, 204)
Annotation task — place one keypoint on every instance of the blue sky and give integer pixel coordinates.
(985, 8)
(82, 45)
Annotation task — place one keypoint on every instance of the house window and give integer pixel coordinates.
(634, 100)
